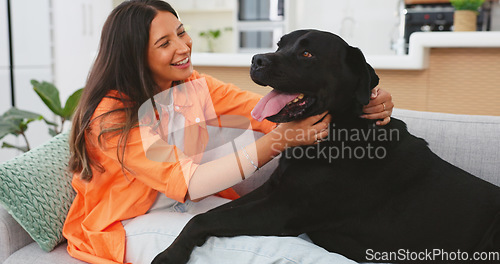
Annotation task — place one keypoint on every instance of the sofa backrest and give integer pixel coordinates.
(469, 142)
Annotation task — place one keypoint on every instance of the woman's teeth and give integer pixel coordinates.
(184, 61)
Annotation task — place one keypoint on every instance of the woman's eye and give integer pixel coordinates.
(164, 44)
(182, 32)
(307, 54)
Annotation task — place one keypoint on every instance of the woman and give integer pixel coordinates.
(118, 178)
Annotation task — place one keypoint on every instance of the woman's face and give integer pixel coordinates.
(169, 50)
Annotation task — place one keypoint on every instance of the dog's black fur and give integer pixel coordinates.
(408, 198)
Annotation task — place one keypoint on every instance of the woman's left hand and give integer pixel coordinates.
(380, 107)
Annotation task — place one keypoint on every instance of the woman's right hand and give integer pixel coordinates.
(302, 132)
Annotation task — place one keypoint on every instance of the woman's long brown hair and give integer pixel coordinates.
(121, 65)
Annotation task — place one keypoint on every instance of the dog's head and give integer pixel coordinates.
(312, 72)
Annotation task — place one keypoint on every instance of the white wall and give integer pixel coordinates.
(5, 94)
(368, 24)
(31, 41)
(5, 100)
(77, 26)
(54, 41)
(495, 16)
(203, 15)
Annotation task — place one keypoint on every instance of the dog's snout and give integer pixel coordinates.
(260, 60)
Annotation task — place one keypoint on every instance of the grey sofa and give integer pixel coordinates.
(470, 142)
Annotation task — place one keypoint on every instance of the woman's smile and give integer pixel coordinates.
(183, 63)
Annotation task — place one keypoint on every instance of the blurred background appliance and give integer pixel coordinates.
(436, 15)
(261, 23)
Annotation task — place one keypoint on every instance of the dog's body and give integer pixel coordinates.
(367, 187)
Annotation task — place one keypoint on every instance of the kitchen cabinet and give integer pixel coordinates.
(54, 41)
(31, 54)
(203, 15)
(31, 31)
(261, 24)
(203, 5)
(414, 2)
(77, 26)
(31, 50)
(370, 25)
(32, 57)
(5, 94)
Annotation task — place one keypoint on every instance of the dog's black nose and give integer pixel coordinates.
(260, 60)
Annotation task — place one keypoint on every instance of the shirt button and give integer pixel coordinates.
(177, 107)
(197, 120)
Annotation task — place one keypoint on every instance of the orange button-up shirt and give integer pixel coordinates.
(93, 226)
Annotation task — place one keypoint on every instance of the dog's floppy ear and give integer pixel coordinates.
(363, 72)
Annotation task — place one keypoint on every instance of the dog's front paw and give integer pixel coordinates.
(170, 256)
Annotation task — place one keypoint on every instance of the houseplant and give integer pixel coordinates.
(15, 121)
(211, 35)
(465, 16)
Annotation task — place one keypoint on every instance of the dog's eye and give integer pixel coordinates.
(307, 54)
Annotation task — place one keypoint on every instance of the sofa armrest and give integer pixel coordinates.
(12, 235)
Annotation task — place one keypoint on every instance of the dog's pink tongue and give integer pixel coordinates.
(271, 104)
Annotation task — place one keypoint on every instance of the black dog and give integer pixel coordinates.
(367, 188)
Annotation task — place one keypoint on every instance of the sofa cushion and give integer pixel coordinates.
(35, 188)
(470, 142)
(32, 254)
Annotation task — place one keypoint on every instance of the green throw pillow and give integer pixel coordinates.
(35, 188)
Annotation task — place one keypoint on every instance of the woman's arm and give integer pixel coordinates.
(220, 174)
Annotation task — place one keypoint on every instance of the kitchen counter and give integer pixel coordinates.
(417, 58)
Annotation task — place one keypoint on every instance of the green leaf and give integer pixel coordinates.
(15, 113)
(21, 115)
(7, 145)
(49, 95)
(215, 33)
(15, 121)
(71, 103)
(50, 123)
(9, 127)
(473, 5)
(52, 132)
